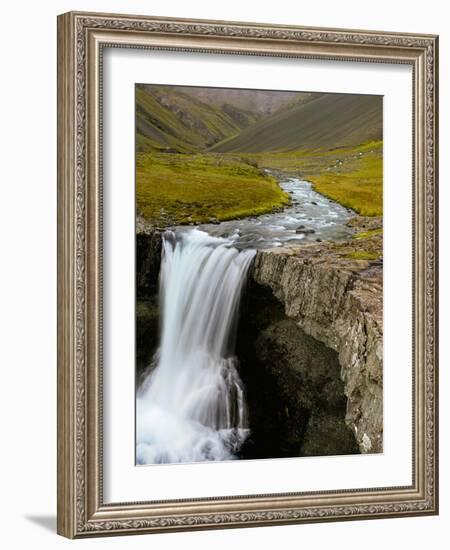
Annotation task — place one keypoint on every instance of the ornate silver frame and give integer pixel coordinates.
(81, 38)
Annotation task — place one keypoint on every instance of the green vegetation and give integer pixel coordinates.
(182, 189)
(360, 189)
(367, 243)
(169, 119)
(368, 234)
(352, 176)
(362, 255)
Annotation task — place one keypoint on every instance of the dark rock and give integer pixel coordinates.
(327, 435)
(147, 321)
(148, 260)
(338, 301)
(290, 378)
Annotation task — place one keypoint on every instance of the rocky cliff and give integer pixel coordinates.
(333, 291)
(294, 391)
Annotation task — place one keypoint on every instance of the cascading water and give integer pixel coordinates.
(191, 406)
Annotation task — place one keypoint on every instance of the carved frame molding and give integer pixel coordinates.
(81, 39)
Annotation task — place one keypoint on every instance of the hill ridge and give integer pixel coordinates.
(355, 119)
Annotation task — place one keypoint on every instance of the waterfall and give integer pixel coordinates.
(191, 404)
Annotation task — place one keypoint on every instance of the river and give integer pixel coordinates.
(310, 217)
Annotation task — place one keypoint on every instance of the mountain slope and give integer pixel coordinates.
(167, 119)
(259, 102)
(327, 120)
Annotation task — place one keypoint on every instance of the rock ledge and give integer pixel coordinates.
(337, 300)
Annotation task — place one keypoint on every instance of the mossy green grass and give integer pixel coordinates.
(368, 234)
(174, 189)
(363, 255)
(352, 176)
(360, 188)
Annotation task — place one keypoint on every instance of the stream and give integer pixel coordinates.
(311, 216)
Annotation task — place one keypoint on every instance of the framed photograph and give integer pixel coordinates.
(247, 288)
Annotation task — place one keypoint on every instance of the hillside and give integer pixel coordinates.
(259, 102)
(171, 119)
(324, 121)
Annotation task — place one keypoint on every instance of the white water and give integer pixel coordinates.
(322, 217)
(191, 406)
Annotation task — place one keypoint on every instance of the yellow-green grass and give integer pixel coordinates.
(167, 118)
(368, 234)
(360, 189)
(363, 255)
(182, 189)
(352, 176)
